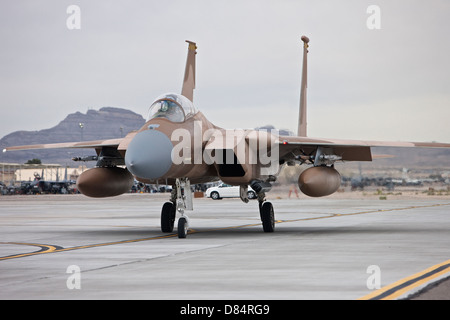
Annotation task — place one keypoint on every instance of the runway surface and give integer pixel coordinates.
(73, 247)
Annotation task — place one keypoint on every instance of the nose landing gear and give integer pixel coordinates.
(180, 200)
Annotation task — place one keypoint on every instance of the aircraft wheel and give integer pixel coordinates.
(182, 227)
(167, 217)
(251, 195)
(267, 217)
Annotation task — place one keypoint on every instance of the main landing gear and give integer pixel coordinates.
(180, 200)
(265, 208)
(267, 214)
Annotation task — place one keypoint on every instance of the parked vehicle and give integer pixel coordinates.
(227, 191)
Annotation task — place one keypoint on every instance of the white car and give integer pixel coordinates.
(227, 191)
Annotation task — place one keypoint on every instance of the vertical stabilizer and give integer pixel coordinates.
(302, 113)
(189, 72)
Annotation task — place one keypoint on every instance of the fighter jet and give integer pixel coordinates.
(178, 144)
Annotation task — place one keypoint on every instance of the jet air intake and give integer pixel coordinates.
(319, 181)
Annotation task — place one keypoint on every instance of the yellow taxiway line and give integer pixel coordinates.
(407, 284)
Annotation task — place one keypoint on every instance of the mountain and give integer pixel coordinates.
(106, 123)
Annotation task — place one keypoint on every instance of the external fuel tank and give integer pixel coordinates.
(105, 182)
(319, 181)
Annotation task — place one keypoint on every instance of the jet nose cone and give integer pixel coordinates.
(148, 155)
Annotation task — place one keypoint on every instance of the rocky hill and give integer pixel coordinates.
(106, 123)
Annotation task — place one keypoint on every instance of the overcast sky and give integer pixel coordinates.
(391, 83)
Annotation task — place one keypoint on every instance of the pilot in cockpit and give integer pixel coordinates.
(173, 107)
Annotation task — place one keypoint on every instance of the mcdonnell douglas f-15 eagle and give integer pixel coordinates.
(180, 145)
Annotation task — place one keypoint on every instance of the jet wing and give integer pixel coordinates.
(81, 144)
(120, 144)
(108, 152)
(306, 148)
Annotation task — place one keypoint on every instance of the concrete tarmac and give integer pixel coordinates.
(74, 247)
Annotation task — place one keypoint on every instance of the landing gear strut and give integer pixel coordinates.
(180, 200)
(267, 214)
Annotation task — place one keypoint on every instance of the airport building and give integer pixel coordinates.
(14, 173)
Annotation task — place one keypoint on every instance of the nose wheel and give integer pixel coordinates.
(183, 226)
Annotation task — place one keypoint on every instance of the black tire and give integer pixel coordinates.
(182, 228)
(251, 195)
(215, 195)
(268, 217)
(167, 217)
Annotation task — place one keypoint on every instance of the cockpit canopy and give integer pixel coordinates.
(173, 107)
